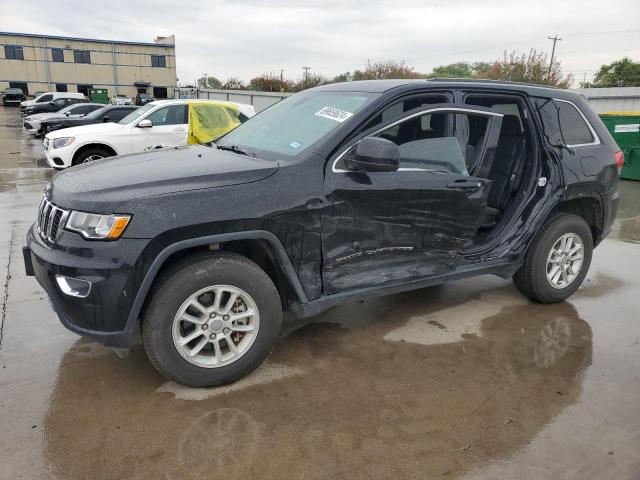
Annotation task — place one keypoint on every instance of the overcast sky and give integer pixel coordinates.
(249, 37)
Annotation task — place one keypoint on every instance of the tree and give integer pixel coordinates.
(531, 68)
(460, 70)
(209, 82)
(270, 82)
(343, 77)
(234, 83)
(310, 81)
(386, 69)
(621, 73)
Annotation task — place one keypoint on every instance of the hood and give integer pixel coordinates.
(27, 103)
(93, 129)
(105, 185)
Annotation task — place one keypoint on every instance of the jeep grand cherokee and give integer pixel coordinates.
(337, 193)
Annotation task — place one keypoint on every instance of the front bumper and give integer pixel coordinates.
(58, 157)
(109, 266)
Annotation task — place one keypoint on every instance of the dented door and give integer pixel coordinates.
(384, 228)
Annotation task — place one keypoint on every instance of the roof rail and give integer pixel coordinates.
(483, 80)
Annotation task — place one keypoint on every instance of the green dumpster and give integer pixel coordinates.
(99, 95)
(625, 129)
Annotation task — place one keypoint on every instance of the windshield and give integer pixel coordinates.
(13, 91)
(96, 114)
(291, 126)
(136, 114)
(69, 108)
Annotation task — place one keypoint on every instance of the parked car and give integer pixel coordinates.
(12, 96)
(144, 98)
(157, 124)
(53, 106)
(47, 97)
(121, 100)
(105, 114)
(33, 122)
(38, 93)
(338, 193)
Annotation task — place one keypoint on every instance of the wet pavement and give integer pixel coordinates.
(468, 380)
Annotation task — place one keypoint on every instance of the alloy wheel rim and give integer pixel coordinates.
(564, 261)
(91, 158)
(215, 326)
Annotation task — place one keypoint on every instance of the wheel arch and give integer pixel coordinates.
(87, 146)
(587, 207)
(262, 247)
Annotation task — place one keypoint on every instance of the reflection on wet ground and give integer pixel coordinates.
(463, 380)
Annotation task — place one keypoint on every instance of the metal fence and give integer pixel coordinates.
(601, 99)
(259, 100)
(616, 99)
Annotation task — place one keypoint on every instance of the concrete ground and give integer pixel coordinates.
(467, 380)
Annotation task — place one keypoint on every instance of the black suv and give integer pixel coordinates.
(338, 193)
(12, 96)
(53, 105)
(108, 113)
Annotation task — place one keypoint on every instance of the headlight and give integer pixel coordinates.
(62, 142)
(94, 226)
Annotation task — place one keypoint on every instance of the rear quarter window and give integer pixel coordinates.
(563, 123)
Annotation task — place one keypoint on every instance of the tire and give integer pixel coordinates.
(90, 155)
(163, 325)
(532, 277)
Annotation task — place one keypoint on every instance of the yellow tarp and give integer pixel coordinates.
(209, 121)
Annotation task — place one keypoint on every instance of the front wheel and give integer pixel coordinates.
(211, 320)
(90, 155)
(557, 261)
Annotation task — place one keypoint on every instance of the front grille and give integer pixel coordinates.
(50, 220)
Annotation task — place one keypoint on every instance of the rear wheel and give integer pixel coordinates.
(557, 261)
(90, 155)
(211, 320)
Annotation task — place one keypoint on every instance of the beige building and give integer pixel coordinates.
(38, 63)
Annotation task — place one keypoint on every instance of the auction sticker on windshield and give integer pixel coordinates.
(333, 113)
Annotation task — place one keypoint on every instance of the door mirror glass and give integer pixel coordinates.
(67, 113)
(374, 154)
(146, 123)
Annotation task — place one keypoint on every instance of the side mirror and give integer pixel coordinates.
(67, 113)
(146, 123)
(106, 119)
(374, 154)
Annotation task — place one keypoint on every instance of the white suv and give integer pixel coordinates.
(48, 97)
(158, 124)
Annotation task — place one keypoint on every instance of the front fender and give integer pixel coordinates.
(163, 256)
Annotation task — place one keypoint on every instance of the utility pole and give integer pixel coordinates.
(281, 80)
(306, 75)
(555, 38)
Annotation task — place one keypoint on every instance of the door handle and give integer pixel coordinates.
(466, 184)
(179, 129)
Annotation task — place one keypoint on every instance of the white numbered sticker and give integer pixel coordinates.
(333, 113)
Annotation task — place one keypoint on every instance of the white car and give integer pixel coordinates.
(158, 124)
(32, 122)
(121, 100)
(48, 97)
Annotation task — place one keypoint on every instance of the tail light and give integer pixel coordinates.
(619, 156)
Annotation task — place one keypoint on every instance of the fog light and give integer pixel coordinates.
(73, 287)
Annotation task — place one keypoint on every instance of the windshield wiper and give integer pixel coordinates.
(232, 148)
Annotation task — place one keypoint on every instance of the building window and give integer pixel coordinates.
(57, 54)
(160, 92)
(61, 87)
(158, 61)
(82, 56)
(21, 85)
(12, 52)
(84, 89)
